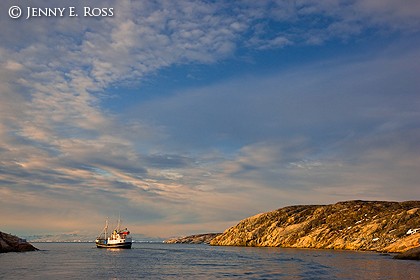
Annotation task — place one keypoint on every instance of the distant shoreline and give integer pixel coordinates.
(91, 241)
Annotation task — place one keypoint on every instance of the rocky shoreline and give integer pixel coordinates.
(388, 227)
(412, 254)
(204, 238)
(12, 243)
(351, 225)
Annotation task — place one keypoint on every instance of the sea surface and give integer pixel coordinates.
(182, 261)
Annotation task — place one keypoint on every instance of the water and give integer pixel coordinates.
(178, 261)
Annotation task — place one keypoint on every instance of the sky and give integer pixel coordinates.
(185, 117)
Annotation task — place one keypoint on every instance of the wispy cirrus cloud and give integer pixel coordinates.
(301, 130)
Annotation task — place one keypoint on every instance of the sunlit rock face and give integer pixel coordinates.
(351, 225)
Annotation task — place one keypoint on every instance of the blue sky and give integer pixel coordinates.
(187, 116)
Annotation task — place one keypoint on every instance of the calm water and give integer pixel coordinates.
(176, 261)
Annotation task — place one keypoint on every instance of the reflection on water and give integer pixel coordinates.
(176, 261)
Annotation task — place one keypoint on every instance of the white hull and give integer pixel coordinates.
(125, 245)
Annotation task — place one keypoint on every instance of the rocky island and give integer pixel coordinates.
(193, 239)
(352, 225)
(11, 243)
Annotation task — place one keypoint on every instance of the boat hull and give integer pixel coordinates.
(126, 245)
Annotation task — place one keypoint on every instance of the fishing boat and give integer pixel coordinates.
(119, 238)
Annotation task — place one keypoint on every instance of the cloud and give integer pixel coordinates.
(334, 126)
(204, 152)
(317, 98)
(396, 15)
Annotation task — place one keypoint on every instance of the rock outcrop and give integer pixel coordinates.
(412, 254)
(351, 225)
(11, 243)
(194, 239)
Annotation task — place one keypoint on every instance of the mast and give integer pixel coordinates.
(119, 222)
(106, 228)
